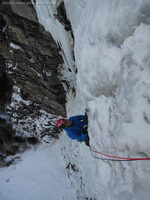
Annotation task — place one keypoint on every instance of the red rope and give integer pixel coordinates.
(119, 157)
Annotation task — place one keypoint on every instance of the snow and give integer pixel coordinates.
(15, 46)
(112, 56)
(37, 123)
(39, 175)
(112, 45)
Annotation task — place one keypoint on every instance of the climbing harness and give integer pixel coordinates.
(114, 158)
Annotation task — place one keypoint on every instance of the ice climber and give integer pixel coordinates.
(76, 127)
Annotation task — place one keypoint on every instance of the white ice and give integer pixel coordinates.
(112, 44)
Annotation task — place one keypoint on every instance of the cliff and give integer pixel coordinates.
(30, 88)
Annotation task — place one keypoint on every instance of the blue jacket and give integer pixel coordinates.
(75, 131)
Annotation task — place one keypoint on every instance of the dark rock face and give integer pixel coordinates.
(5, 86)
(33, 63)
(29, 69)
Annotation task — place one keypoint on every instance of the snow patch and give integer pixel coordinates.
(15, 46)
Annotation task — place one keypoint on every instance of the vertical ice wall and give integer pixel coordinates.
(45, 11)
(112, 56)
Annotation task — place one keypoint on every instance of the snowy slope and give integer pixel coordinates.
(40, 175)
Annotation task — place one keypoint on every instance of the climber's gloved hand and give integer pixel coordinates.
(86, 118)
(87, 142)
(85, 129)
(86, 115)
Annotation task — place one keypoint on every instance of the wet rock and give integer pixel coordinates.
(19, 139)
(32, 140)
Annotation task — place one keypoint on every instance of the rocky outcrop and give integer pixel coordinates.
(10, 144)
(31, 57)
(5, 86)
(30, 90)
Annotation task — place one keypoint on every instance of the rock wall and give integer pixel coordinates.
(31, 57)
(30, 90)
